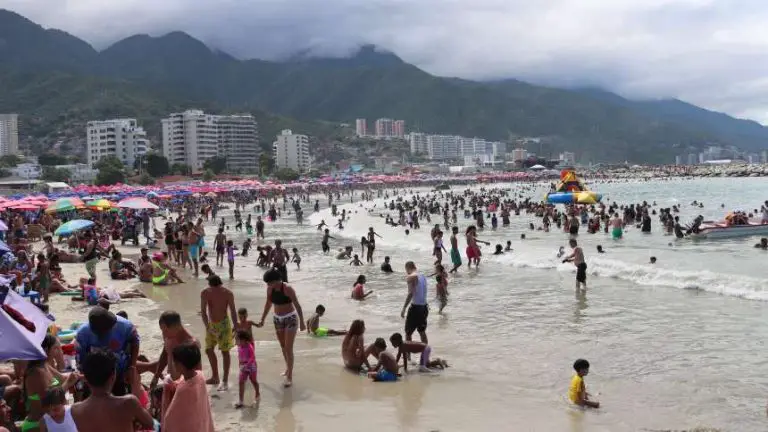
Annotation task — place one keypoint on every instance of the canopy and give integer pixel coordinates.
(538, 167)
(65, 204)
(73, 226)
(18, 342)
(99, 204)
(137, 203)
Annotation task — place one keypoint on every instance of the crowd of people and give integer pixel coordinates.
(104, 387)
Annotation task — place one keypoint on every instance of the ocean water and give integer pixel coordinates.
(673, 346)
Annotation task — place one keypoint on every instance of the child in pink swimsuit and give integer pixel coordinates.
(246, 353)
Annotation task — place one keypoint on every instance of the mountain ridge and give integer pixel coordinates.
(375, 83)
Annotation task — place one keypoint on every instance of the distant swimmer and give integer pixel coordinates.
(509, 246)
(653, 260)
(358, 290)
(499, 250)
(345, 254)
(577, 392)
(561, 252)
(600, 249)
(386, 267)
(763, 244)
(356, 261)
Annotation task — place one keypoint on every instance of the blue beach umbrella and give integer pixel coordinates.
(73, 226)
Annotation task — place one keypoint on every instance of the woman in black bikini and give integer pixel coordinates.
(288, 317)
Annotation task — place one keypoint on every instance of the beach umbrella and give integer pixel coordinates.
(137, 204)
(24, 206)
(73, 226)
(19, 342)
(65, 204)
(99, 204)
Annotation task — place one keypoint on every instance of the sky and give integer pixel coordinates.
(708, 52)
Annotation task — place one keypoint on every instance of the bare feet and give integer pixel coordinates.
(239, 405)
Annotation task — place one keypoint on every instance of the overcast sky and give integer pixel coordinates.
(709, 52)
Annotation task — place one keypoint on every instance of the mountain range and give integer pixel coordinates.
(55, 79)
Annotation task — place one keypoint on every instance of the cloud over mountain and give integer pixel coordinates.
(710, 52)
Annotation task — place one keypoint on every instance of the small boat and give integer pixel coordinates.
(721, 230)
(442, 187)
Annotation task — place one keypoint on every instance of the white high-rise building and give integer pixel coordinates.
(190, 138)
(418, 142)
(239, 142)
(291, 151)
(122, 138)
(9, 134)
(443, 146)
(361, 127)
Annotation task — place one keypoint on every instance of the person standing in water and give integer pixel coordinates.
(288, 317)
(455, 254)
(473, 250)
(371, 244)
(577, 258)
(418, 311)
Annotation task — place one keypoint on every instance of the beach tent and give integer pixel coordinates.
(18, 342)
(538, 167)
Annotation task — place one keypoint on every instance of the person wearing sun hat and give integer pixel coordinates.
(162, 273)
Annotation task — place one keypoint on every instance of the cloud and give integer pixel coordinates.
(708, 52)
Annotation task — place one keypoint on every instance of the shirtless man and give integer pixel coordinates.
(220, 244)
(577, 258)
(215, 301)
(193, 239)
(174, 334)
(101, 410)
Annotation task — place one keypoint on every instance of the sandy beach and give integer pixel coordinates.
(673, 347)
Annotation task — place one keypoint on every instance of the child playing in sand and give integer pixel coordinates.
(247, 355)
(577, 392)
(231, 258)
(243, 323)
(411, 347)
(386, 368)
(296, 258)
(313, 325)
(358, 292)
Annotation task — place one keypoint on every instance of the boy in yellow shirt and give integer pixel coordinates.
(577, 392)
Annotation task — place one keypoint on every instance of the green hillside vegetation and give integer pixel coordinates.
(146, 78)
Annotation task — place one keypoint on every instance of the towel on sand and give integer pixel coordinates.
(186, 407)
